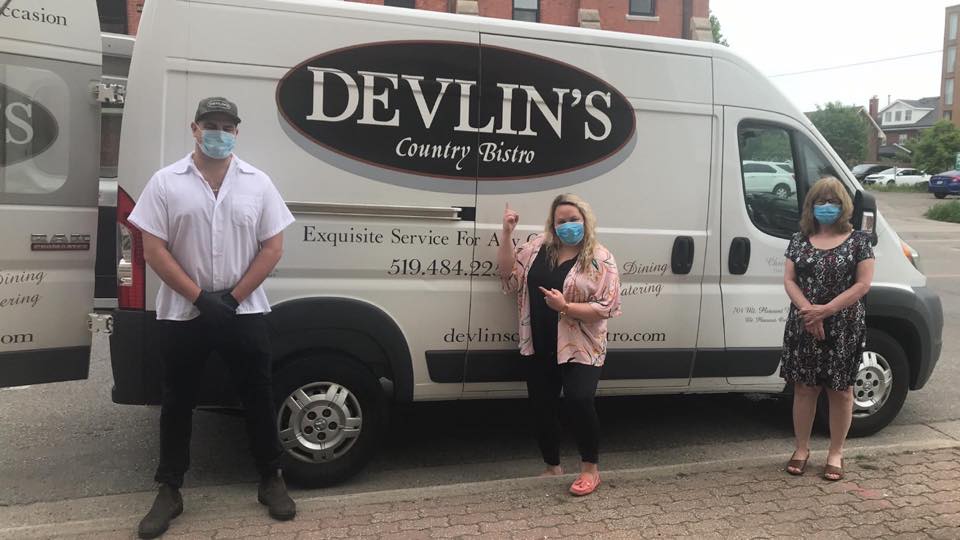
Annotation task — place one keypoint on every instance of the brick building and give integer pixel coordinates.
(948, 88)
(669, 18)
(904, 120)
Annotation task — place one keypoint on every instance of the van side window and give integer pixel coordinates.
(815, 164)
(769, 189)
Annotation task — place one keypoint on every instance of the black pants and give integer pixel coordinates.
(545, 379)
(245, 348)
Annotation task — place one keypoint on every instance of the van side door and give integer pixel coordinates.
(611, 127)
(757, 224)
(49, 164)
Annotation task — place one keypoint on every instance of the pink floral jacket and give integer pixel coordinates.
(577, 341)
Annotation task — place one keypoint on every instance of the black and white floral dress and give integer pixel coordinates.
(824, 274)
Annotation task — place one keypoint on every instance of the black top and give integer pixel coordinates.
(544, 320)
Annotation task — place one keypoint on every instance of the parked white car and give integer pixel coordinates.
(899, 177)
(769, 177)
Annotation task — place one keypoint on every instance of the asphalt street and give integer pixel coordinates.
(68, 440)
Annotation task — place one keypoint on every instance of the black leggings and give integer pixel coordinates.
(545, 379)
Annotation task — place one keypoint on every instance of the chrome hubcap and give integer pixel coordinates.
(319, 422)
(873, 385)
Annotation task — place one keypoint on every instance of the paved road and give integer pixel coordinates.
(68, 440)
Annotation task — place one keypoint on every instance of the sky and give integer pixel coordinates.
(782, 37)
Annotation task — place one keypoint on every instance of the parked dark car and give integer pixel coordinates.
(945, 183)
(865, 169)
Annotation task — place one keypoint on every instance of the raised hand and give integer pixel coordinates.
(510, 220)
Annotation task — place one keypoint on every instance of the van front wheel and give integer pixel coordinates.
(880, 388)
(330, 416)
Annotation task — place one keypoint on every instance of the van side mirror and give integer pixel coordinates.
(865, 215)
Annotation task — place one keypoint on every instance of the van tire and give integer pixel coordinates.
(889, 354)
(305, 461)
(940, 195)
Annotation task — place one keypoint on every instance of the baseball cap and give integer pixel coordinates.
(216, 105)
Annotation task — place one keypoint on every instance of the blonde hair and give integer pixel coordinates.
(589, 242)
(827, 187)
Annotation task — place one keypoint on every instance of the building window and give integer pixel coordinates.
(903, 138)
(953, 26)
(908, 116)
(401, 3)
(646, 8)
(948, 93)
(951, 59)
(948, 115)
(897, 116)
(526, 10)
(113, 16)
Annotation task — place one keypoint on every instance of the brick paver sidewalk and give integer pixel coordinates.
(909, 495)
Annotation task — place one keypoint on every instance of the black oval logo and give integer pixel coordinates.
(455, 110)
(29, 128)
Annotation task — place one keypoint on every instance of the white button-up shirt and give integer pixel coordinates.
(213, 238)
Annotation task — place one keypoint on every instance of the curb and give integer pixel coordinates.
(128, 522)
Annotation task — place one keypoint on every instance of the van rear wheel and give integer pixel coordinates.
(880, 388)
(330, 416)
(940, 195)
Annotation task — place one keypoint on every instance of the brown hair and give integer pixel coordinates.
(827, 187)
(589, 243)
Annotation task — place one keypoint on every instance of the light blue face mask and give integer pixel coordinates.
(570, 233)
(826, 214)
(217, 144)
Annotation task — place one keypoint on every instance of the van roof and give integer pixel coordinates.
(488, 25)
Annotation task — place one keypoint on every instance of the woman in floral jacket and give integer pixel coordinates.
(567, 286)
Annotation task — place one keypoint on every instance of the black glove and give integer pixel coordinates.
(228, 299)
(214, 308)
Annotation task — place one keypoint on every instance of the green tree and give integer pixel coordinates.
(845, 128)
(934, 151)
(717, 34)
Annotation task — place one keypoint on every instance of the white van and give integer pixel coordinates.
(50, 62)
(396, 136)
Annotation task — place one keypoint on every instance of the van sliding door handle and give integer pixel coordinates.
(681, 261)
(739, 259)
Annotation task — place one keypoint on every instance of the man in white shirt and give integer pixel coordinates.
(212, 231)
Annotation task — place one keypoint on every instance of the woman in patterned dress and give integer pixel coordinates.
(567, 286)
(829, 268)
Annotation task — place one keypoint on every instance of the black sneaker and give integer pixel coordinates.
(167, 505)
(273, 494)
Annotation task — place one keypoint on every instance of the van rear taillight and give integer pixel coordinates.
(131, 268)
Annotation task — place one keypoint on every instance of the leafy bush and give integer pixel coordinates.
(916, 188)
(947, 211)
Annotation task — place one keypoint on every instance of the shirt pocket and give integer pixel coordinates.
(245, 210)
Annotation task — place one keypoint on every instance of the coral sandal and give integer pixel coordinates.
(584, 485)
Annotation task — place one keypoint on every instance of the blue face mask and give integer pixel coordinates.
(217, 144)
(570, 233)
(826, 214)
